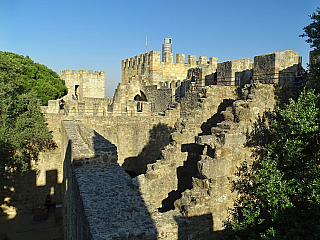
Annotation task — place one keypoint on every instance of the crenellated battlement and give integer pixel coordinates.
(69, 73)
(153, 57)
(84, 83)
(149, 68)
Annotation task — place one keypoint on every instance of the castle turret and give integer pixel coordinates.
(166, 48)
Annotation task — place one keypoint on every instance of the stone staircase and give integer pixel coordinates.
(218, 127)
(211, 192)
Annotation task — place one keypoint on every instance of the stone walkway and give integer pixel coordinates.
(23, 227)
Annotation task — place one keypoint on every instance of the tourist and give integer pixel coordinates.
(47, 203)
(193, 81)
(62, 103)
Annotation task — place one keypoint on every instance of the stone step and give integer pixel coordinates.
(224, 127)
(213, 167)
(222, 139)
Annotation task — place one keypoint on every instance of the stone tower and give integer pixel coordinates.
(166, 47)
(84, 84)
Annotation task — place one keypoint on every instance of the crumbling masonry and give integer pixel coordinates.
(156, 161)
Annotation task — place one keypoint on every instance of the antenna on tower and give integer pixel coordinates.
(146, 43)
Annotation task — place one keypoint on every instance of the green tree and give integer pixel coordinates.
(46, 83)
(23, 131)
(281, 192)
(282, 196)
(312, 32)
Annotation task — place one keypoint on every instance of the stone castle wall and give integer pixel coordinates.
(277, 67)
(228, 71)
(81, 148)
(84, 84)
(147, 70)
(88, 207)
(132, 135)
(198, 136)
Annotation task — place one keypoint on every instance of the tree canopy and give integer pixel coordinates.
(281, 196)
(23, 131)
(281, 192)
(312, 33)
(46, 83)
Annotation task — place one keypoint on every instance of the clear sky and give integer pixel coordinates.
(97, 34)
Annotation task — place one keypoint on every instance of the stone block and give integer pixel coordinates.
(212, 168)
(151, 175)
(178, 137)
(236, 139)
(201, 183)
(210, 140)
(227, 115)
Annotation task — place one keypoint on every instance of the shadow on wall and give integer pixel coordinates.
(101, 202)
(20, 199)
(184, 175)
(159, 137)
(198, 227)
(21, 192)
(216, 118)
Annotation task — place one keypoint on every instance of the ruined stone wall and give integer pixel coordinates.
(225, 149)
(161, 177)
(161, 98)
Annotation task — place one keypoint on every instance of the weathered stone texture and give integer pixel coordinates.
(184, 157)
(211, 193)
(277, 67)
(84, 84)
(108, 209)
(227, 71)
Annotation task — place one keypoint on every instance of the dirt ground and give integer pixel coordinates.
(25, 226)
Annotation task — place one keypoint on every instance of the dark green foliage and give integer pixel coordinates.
(46, 83)
(23, 131)
(280, 194)
(312, 32)
(281, 197)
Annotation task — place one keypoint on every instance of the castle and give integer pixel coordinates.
(150, 85)
(156, 160)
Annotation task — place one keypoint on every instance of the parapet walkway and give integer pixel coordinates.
(23, 227)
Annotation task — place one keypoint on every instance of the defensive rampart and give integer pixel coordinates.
(82, 84)
(183, 157)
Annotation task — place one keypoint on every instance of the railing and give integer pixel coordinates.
(97, 112)
(266, 78)
(241, 80)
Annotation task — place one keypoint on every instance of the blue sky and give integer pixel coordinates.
(98, 34)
